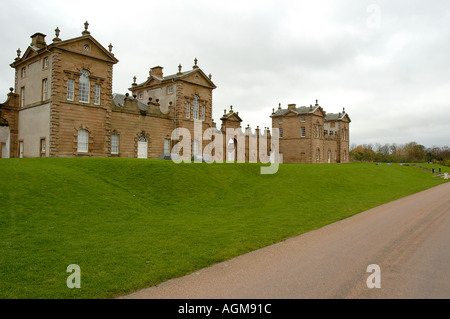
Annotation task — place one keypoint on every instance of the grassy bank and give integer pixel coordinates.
(133, 223)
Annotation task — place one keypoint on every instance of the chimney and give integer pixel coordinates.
(38, 40)
(291, 107)
(157, 71)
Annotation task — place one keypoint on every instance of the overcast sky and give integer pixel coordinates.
(386, 62)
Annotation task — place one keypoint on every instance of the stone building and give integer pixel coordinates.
(62, 105)
(310, 135)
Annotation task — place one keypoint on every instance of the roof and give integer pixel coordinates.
(119, 99)
(3, 122)
(298, 110)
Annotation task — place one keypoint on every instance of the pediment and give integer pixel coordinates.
(199, 77)
(86, 45)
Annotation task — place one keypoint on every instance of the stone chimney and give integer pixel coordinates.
(291, 107)
(157, 71)
(38, 40)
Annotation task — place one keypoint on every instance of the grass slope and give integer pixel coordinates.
(132, 223)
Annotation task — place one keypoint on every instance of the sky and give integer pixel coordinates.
(386, 62)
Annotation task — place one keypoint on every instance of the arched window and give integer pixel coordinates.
(84, 87)
(318, 155)
(83, 141)
(195, 115)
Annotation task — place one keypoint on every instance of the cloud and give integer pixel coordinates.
(391, 76)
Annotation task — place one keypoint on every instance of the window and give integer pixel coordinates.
(22, 96)
(45, 63)
(194, 147)
(170, 89)
(345, 155)
(316, 130)
(188, 110)
(43, 145)
(303, 131)
(325, 132)
(84, 87)
(140, 95)
(115, 144)
(83, 141)
(70, 89)
(23, 72)
(166, 146)
(44, 90)
(281, 132)
(195, 115)
(203, 112)
(302, 119)
(280, 121)
(318, 155)
(97, 94)
(331, 132)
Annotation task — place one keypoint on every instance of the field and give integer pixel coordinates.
(131, 224)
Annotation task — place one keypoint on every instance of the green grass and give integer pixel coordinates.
(131, 224)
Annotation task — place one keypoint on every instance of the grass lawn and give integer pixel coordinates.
(131, 223)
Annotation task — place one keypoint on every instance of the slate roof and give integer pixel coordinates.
(119, 99)
(298, 110)
(3, 122)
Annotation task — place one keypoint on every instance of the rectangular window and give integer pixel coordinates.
(170, 89)
(302, 119)
(325, 132)
(203, 112)
(23, 72)
(280, 121)
(195, 111)
(45, 63)
(43, 146)
(83, 141)
(115, 144)
(44, 90)
(303, 132)
(140, 95)
(166, 146)
(281, 132)
(188, 110)
(70, 89)
(97, 94)
(84, 87)
(194, 147)
(22, 96)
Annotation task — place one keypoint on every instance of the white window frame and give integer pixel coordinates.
(97, 90)
(281, 132)
(188, 110)
(83, 141)
(166, 146)
(23, 72)
(115, 140)
(70, 89)
(22, 96)
(45, 63)
(303, 131)
(203, 112)
(44, 89)
(43, 145)
(170, 89)
(302, 119)
(194, 148)
(195, 110)
(85, 87)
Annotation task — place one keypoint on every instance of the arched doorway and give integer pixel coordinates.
(142, 151)
(232, 150)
